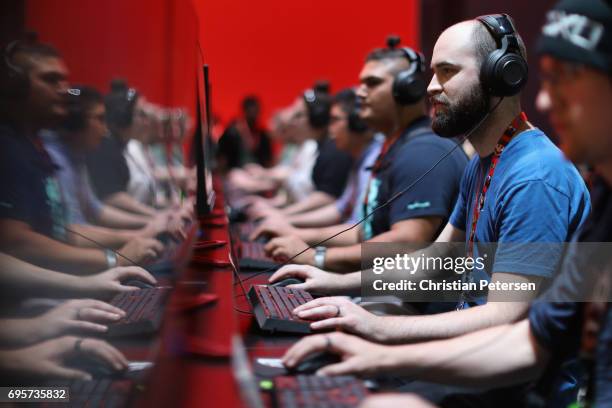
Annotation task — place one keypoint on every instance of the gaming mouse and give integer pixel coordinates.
(138, 284)
(288, 281)
(166, 238)
(94, 366)
(313, 362)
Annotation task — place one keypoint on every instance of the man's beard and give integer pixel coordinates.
(462, 116)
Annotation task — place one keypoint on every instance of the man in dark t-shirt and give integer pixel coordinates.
(410, 150)
(108, 160)
(310, 119)
(573, 319)
(32, 214)
(245, 141)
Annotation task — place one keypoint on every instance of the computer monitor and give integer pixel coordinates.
(243, 373)
(202, 142)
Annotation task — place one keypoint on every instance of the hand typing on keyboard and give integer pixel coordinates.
(82, 315)
(341, 313)
(109, 283)
(48, 359)
(316, 280)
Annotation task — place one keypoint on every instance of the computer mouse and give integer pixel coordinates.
(288, 281)
(138, 283)
(314, 362)
(94, 366)
(166, 238)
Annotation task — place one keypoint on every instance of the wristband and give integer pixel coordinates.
(111, 258)
(319, 258)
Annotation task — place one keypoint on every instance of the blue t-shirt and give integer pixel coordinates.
(30, 192)
(406, 160)
(535, 196)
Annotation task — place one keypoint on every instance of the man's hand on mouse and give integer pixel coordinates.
(107, 284)
(315, 280)
(359, 356)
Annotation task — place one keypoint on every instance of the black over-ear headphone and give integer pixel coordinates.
(75, 120)
(14, 82)
(409, 86)
(504, 72)
(354, 122)
(120, 104)
(318, 105)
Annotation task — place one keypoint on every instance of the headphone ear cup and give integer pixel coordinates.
(355, 123)
(504, 74)
(14, 83)
(75, 120)
(318, 114)
(487, 73)
(408, 87)
(511, 74)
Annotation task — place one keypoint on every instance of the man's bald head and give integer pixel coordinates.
(472, 38)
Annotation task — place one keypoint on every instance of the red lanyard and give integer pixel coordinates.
(479, 200)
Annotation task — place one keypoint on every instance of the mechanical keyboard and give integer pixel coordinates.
(246, 229)
(253, 256)
(144, 311)
(312, 391)
(273, 308)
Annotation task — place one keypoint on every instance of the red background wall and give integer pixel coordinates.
(274, 48)
(151, 43)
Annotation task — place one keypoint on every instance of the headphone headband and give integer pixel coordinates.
(409, 86)
(504, 72)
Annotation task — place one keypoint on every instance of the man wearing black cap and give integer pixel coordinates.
(571, 321)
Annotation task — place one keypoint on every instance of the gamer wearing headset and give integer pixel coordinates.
(32, 212)
(351, 134)
(81, 132)
(108, 165)
(392, 96)
(534, 196)
(577, 92)
(311, 115)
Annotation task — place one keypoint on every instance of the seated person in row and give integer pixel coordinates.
(351, 135)
(80, 133)
(33, 214)
(255, 179)
(245, 141)
(533, 198)
(575, 79)
(117, 173)
(408, 154)
(311, 115)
